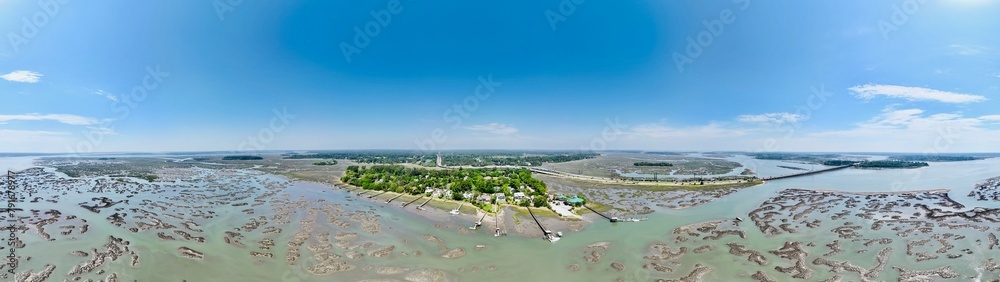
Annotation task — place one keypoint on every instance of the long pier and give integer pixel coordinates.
(806, 173)
(425, 202)
(376, 195)
(612, 219)
(393, 198)
(411, 201)
(544, 232)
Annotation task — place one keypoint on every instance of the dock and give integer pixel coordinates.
(363, 192)
(546, 233)
(411, 201)
(612, 219)
(376, 195)
(425, 202)
(393, 198)
(480, 222)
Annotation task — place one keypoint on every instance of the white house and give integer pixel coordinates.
(518, 196)
(500, 197)
(484, 198)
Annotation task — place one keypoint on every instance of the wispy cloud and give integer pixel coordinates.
(22, 76)
(771, 118)
(968, 50)
(110, 96)
(494, 128)
(62, 118)
(993, 118)
(870, 91)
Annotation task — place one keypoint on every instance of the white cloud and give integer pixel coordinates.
(771, 118)
(968, 50)
(106, 95)
(494, 128)
(995, 118)
(63, 118)
(101, 130)
(22, 76)
(870, 91)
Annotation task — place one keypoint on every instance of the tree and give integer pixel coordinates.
(540, 201)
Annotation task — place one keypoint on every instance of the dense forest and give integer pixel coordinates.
(241, 158)
(400, 179)
(652, 164)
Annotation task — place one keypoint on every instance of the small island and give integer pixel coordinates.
(330, 162)
(480, 187)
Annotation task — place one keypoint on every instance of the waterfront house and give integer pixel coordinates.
(484, 198)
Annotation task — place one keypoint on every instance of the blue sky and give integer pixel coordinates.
(917, 76)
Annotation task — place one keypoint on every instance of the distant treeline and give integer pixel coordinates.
(241, 158)
(387, 157)
(876, 164)
(793, 156)
(890, 164)
(934, 158)
(485, 158)
(330, 162)
(652, 164)
(476, 159)
(664, 153)
(838, 162)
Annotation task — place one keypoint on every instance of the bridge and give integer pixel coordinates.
(805, 173)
